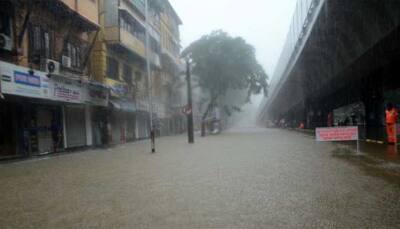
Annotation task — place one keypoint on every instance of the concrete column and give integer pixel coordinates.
(64, 128)
(88, 124)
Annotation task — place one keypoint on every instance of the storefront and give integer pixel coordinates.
(8, 127)
(96, 101)
(131, 127)
(46, 127)
(76, 116)
(100, 122)
(142, 125)
(30, 127)
(75, 124)
(142, 120)
(35, 122)
(122, 121)
(50, 113)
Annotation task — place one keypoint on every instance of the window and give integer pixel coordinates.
(112, 68)
(41, 43)
(74, 51)
(126, 25)
(138, 76)
(5, 24)
(127, 74)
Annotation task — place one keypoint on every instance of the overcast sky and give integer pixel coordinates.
(263, 23)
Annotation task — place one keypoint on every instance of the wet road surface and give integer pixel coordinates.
(248, 178)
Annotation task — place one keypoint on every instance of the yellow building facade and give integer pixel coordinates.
(119, 55)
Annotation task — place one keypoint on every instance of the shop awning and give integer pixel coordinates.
(125, 106)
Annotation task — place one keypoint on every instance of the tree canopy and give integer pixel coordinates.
(224, 63)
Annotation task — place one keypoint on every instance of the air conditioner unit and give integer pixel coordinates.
(50, 66)
(66, 61)
(5, 42)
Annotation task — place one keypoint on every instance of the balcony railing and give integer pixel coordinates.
(139, 5)
(132, 43)
(117, 35)
(170, 55)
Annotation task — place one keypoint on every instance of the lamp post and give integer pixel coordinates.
(189, 109)
(149, 86)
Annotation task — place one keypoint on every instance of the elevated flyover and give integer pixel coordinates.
(340, 56)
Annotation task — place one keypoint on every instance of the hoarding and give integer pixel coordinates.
(337, 134)
(16, 80)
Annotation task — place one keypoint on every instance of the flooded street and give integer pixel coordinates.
(253, 178)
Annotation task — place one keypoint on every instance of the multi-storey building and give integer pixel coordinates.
(165, 89)
(119, 61)
(73, 73)
(45, 88)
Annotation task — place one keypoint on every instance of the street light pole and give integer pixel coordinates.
(189, 109)
(149, 86)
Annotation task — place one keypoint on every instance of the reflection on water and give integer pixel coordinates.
(375, 159)
(391, 153)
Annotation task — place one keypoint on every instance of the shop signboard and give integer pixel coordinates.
(21, 81)
(96, 95)
(67, 92)
(118, 89)
(16, 80)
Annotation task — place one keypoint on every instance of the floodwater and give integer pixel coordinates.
(252, 178)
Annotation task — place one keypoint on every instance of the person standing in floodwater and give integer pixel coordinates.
(391, 120)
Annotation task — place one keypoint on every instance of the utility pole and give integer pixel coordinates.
(189, 109)
(149, 84)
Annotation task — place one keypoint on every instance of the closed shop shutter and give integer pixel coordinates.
(130, 129)
(7, 130)
(116, 126)
(75, 126)
(44, 117)
(142, 126)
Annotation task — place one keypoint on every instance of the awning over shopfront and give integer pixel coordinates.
(125, 106)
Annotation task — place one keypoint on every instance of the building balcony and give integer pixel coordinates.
(139, 5)
(172, 57)
(125, 7)
(127, 11)
(155, 59)
(119, 36)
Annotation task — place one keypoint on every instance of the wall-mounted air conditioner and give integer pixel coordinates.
(50, 66)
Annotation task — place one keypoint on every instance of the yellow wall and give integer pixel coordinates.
(133, 43)
(70, 3)
(86, 8)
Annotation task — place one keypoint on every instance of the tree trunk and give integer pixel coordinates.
(203, 123)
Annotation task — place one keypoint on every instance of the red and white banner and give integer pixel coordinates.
(337, 134)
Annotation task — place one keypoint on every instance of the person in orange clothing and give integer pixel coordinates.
(391, 120)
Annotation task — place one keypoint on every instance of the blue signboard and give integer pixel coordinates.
(26, 79)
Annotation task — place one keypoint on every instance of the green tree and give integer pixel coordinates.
(224, 63)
